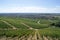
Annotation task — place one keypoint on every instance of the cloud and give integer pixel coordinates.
(30, 10)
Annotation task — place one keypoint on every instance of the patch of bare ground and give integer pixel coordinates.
(9, 38)
(38, 36)
(34, 37)
(3, 38)
(30, 37)
(38, 22)
(22, 38)
(45, 38)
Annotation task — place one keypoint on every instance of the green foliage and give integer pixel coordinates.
(4, 25)
(52, 32)
(57, 24)
(14, 33)
(37, 26)
(45, 29)
(16, 23)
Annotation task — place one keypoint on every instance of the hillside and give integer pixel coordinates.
(29, 27)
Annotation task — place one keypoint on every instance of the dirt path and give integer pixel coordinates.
(35, 36)
(38, 22)
(45, 38)
(9, 24)
(22, 38)
(29, 37)
(38, 35)
(27, 26)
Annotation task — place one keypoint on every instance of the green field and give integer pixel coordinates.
(25, 28)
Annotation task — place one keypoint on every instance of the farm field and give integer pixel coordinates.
(28, 29)
(29, 19)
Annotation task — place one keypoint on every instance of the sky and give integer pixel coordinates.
(29, 6)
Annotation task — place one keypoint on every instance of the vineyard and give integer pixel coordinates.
(28, 29)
